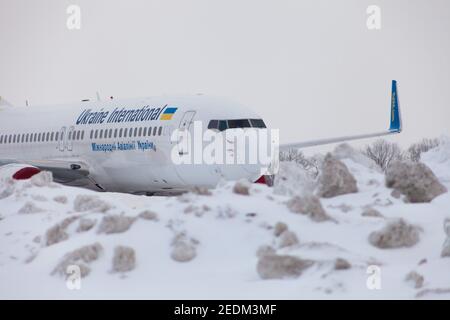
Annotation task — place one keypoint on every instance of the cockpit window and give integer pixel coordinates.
(257, 123)
(239, 123)
(213, 124)
(222, 125)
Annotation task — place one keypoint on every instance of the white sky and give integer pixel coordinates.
(310, 68)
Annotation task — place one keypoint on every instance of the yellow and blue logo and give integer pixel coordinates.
(168, 113)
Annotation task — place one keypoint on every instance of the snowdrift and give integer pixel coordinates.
(240, 241)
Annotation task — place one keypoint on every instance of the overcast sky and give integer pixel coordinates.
(310, 68)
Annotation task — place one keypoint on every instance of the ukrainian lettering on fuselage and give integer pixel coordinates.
(118, 115)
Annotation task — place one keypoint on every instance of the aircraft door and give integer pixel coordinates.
(70, 139)
(185, 124)
(62, 138)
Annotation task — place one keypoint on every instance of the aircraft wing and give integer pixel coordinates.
(63, 170)
(394, 127)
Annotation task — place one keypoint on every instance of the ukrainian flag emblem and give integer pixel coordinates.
(168, 113)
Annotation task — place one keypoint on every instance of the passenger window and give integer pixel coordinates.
(39, 137)
(10, 138)
(149, 131)
(1, 139)
(140, 132)
(115, 133)
(213, 124)
(47, 138)
(120, 133)
(125, 132)
(154, 130)
(110, 133)
(96, 133)
(144, 132)
(23, 137)
(91, 134)
(56, 136)
(135, 132)
(82, 135)
(51, 136)
(159, 131)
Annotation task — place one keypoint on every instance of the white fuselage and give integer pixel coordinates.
(140, 162)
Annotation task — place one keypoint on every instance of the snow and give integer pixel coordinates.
(222, 232)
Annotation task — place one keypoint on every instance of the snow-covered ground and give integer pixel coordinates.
(220, 234)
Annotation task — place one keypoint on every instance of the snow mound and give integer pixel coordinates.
(292, 180)
(335, 179)
(58, 233)
(438, 159)
(81, 257)
(90, 203)
(308, 205)
(281, 266)
(42, 179)
(415, 180)
(395, 234)
(257, 243)
(115, 224)
(124, 259)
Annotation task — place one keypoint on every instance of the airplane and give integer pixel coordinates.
(126, 145)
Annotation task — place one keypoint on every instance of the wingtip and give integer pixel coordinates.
(395, 125)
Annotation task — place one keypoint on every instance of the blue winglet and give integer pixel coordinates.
(396, 121)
